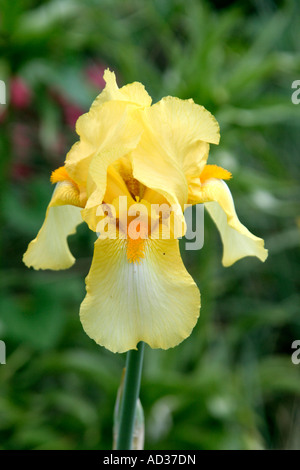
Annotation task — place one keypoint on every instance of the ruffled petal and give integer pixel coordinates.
(155, 301)
(78, 160)
(184, 130)
(49, 250)
(155, 169)
(238, 242)
(134, 93)
(107, 134)
(97, 183)
(105, 125)
(174, 146)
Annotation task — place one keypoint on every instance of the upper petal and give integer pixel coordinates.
(107, 134)
(174, 145)
(105, 124)
(153, 167)
(183, 129)
(134, 93)
(155, 301)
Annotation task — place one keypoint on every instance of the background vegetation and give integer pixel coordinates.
(232, 384)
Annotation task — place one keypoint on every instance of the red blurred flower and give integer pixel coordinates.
(20, 171)
(21, 140)
(20, 93)
(3, 114)
(94, 73)
(71, 113)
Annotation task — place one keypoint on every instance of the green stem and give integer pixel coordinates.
(132, 382)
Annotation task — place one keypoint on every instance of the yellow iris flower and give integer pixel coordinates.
(138, 289)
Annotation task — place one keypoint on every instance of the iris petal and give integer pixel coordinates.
(49, 250)
(106, 134)
(155, 301)
(132, 93)
(174, 145)
(238, 242)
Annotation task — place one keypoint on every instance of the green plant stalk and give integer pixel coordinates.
(132, 382)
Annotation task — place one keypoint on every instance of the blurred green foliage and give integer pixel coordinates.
(232, 384)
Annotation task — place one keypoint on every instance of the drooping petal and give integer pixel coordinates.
(238, 242)
(49, 250)
(155, 300)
